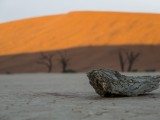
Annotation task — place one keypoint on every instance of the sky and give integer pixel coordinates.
(11, 10)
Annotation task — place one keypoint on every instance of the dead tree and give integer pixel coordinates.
(127, 57)
(64, 60)
(131, 58)
(47, 60)
(121, 60)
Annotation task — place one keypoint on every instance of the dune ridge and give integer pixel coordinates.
(78, 29)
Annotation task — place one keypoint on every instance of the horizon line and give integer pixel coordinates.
(65, 13)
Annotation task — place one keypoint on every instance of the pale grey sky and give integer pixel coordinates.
(19, 9)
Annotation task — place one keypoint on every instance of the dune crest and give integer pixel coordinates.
(77, 29)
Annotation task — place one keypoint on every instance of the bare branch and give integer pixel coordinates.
(131, 58)
(121, 60)
(47, 61)
(64, 60)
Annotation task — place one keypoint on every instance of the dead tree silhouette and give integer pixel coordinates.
(64, 61)
(122, 61)
(131, 58)
(128, 57)
(47, 60)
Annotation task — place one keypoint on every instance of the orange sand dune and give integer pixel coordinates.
(79, 29)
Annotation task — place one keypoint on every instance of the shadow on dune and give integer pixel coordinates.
(80, 59)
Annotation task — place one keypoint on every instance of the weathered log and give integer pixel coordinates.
(109, 82)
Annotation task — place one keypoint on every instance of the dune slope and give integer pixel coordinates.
(82, 59)
(78, 29)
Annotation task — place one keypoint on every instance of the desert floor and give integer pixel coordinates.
(69, 97)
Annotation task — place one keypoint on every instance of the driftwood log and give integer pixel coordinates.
(109, 82)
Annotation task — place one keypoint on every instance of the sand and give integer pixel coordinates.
(69, 97)
(77, 29)
(99, 57)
